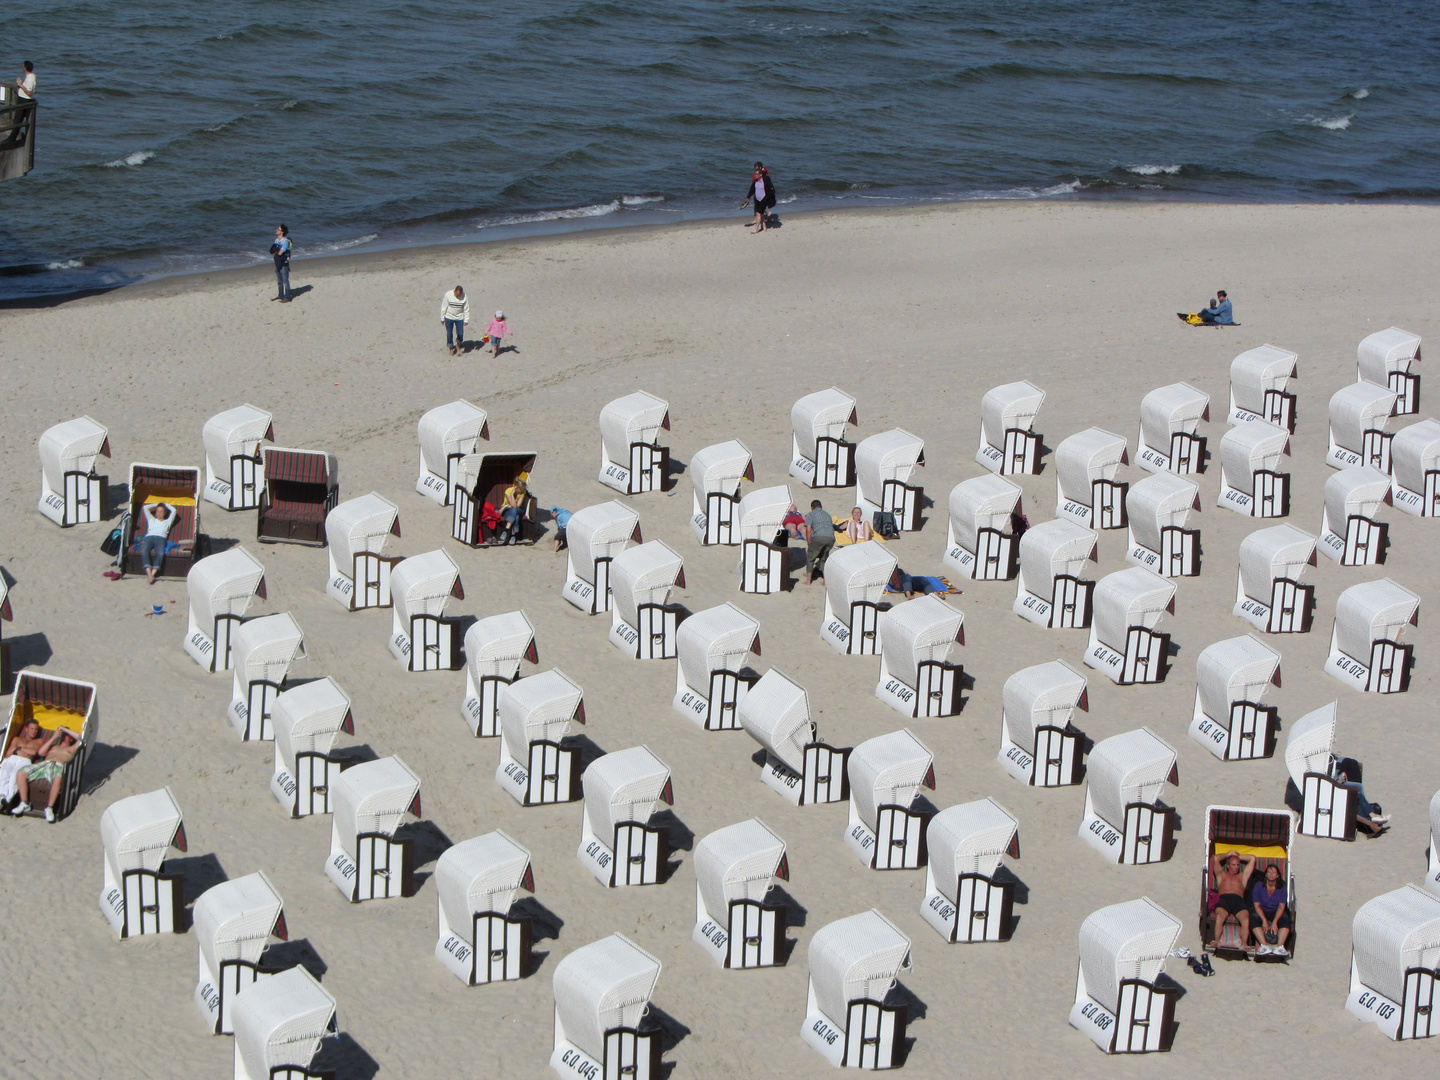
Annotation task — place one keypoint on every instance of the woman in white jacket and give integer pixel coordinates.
(455, 313)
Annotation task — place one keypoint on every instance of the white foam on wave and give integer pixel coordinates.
(569, 213)
(1361, 94)
(342, 245)
(1021, 192)
(1334, 123)
(640, 200)
(1153, 170)
(68, 264)
(139, 157)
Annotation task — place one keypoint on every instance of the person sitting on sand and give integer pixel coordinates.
(158, 520)
(24, 748)
(57, 752)
(1368, 818)
(1272, 918)
(512, 509)
(1232, 877)
(857, 528)
(1219, 310)
(794, 523)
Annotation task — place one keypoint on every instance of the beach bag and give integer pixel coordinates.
(1193, 319)
(884, 524)
(111, 544)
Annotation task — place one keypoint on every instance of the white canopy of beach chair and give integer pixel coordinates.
(71, 447)
(720, 468)
(762, 511)
(738, 862)
(1125, 941)
(1415, 452)
(1356, 409)
(1281, 551)
(496, 644)
(1013, 405)
(601, 986)
(889, 770)
(853, 959)
(263, 650)
(776, 713)
(279, 1023)
(624, 786)
(1236, 669)
(1392, 934)
(235, 432)
(421, 584)
(372, 797)
(644, 575)
(1168, 410)
(447, 432)
(234, 919)
(918, 630)
(1361, 492)
(634, 418)
(600, 532)
(857, 572)
(1386, 351)
(1372, 611)
(888, 455)
(137, 831)
(823, 414)
(1040, 696)
(716, 639)
(1309, 742)
(222, 584)
(982, 502)
(970, 838)
(1087, 456)
(1128, 768)
(359, 525)
(1163, 500)
(309, 718)
(1250, 446)
(1130, 597)
(539, 708)
(1050, 549)
(1257, 370)
(478, 875)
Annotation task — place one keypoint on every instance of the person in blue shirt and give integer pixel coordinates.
(562, 522)
(281, 250)
(1219, 311)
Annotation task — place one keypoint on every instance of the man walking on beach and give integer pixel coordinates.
(281, 250)
(455, 313)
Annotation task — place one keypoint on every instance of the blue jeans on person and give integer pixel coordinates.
(455, 333)
(152, 552)
(282, 279)
(511, 514)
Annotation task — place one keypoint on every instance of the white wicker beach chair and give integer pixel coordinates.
(279, 1024)
(262, 651)
(1365, 647)
(307, 720)
(820, 456)
(1384, 359)
(179, 488)
(642, 621)
(233, 922)
(6, 615)
(1009, 443)
(366, 861)
(1050, 591)
(594, 537)
(477, 879)
(734, 869)
(855, 580)
(886, 829)
(487, 478)
(494, 647)
(711, 678)
(982, 541)
(1169, 418)
(220, 587)
(421, 636)
(356, 531)
(1124, 645)
(1120, 1001)
(1124, 818)
(776, 713)
(1086, 490)
(1250, 479)
(447, 434)
(1230, 679)
(137, 897)
(1432, 871)
(1415, 460)
(617, 842)
(1269, 835)
(52, 702)
(1158, 508)
(884, 464)
(716, 472)
(631, 457)
(965, 899)
(70, 491)
(1260, 384)
(1039, 743)
(849, 1017)
(1350, 533)
(1329, 803)
(234, 470)
(534, 715)
(1268, 592)
(1395, 963)
(915, 676)
(764, 541)
(602, 993)
(1359, 414)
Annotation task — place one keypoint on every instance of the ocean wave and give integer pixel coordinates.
(68, 264)
(342, 245)
(1334, 123)
(1028, 192)
(139, 157)
(1153, 170)
(567, 214)
(1359, 94)
(640, 200)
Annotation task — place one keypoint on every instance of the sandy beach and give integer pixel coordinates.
(916, 313)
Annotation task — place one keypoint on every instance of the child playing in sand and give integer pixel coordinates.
(497, 330)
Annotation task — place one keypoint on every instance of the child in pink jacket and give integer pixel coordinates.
(497, 330)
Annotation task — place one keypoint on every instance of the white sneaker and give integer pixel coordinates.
(1262, 949)
(50, 814)
(20, 810)
(1380, 819)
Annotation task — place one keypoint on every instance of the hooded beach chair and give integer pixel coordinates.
(776, 713)
(887, 826)
(481, 481)
(717, 471)
(1230, 679)
(602, 994)
(477, 879)
(1250, 479)
(764, 540)
(494, 647)
(594, 537)
(734, 870)
(984, 538)
(711, 678)
(1169, 417)
(1350, 533)
(1384, 359)
(53, 702)
(617, 842)
(262, 650)
(1329, 801)
(849, 1015)
(1120, 1001)
(137, 897)
(1260, 385)
(1086, 490)
(1415, 462)
(6, 615)
(631, 457)
(233, 922)
(855, 580)
(301, 488)
(819, 454)
(1009, 445)
(1358, 416)
(1268, 592)
(915, 639)
(1245, 830)
(220, 587)
(1039, 742)
(1365, 647)
(1124, 818)
(1051, 592)
(1124, 645)
(421, 636)
(70, 491)
(1432, 871)
(178, 487)
(356, 532)
(306, 720)
(369, 801)
(1395, 963)
(642, 623)
(1158, 508)
(447, 434)
(279, 1023)
(965, 898)
(536, 766)
(234, 469)
(884, 464)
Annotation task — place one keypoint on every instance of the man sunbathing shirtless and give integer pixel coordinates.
(24, 748)
(56, 752)
(1232, 876)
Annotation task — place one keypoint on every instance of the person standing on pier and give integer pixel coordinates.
(26, 82)
(281, 250)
